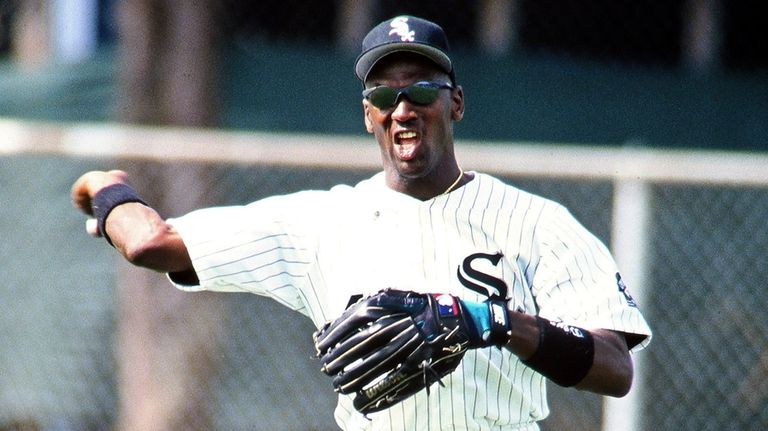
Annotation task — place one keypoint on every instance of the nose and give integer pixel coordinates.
(403, 110)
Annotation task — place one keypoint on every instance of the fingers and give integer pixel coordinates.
(352, 320)
(92, 227)
(81, 198)
(117, 173)
(366, 311)
(364, 341)
(364, 372)
(85, 187)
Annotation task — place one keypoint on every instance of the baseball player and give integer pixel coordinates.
(503, 258)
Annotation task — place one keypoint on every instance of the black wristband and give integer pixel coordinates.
(107, 199)
(565, 353)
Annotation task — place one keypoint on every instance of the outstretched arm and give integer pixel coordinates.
(136, 230)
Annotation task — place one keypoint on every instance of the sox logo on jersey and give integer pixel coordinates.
(469, 276)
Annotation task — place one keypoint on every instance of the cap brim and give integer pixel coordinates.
(366, 61)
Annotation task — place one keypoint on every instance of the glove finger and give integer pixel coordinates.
(366, 310)
(317, 334)
(338, 329)
(400, 300)
(348, 323)
(361, 374)
(364, 342)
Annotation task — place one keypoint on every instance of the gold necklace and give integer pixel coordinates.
(461, 175)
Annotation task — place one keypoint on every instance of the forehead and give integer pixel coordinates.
(404, 66)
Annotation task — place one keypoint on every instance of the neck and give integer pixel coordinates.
(427, 188)
(455, 183)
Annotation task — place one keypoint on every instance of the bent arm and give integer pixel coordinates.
(137, 231)
(611, 372)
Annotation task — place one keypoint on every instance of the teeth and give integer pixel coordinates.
(406, 135)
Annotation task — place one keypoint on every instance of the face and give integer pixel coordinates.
(416, 141)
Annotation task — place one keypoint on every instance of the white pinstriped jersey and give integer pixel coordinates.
(313, 250)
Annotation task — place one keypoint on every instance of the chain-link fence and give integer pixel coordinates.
(709, 364)
(706, 368)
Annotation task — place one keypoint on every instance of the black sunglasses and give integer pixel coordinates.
(421, 93)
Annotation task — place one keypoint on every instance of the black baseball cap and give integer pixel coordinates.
(404, 34)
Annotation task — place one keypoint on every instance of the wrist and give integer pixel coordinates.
(564, 354)
(107, 199)
(490, 322)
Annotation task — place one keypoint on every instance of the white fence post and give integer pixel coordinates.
(631, 215)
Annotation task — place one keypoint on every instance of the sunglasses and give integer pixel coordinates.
(421, 93)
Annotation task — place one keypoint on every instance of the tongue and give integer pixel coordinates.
(406, 148)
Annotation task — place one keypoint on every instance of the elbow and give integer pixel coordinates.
(620, 389)
(621, 383)
(147, 251)
(136, 255)
(610, 378)
(140, 253)
(613, 371)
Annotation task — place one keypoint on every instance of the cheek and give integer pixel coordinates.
(377, 124)
(440, 123)
(374, 126)
(382, 138)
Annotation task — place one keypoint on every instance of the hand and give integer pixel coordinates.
(389, 346)
(86, 187)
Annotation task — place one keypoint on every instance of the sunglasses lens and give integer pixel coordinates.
(383, 97)
(422, 95)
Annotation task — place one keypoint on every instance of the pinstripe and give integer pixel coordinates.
(275, 263)
(290, 248)
(243, 256)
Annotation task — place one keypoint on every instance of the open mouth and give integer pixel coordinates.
(406, 144)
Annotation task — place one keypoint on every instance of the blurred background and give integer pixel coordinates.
(87, 343)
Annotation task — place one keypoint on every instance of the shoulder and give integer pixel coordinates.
(373, 184)
(511, 196)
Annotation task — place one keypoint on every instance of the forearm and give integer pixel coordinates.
(610, 372)
(145, 239)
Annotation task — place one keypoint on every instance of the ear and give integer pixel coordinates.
(367, 116)
(457, 106)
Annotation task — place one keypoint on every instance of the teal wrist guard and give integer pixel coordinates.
(490, 321)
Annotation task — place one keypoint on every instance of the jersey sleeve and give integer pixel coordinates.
(577, 281)
(260, 248)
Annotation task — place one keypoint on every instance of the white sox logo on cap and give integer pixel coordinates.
(404, 34)
(400, 28)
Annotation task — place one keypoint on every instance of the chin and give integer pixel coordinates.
(412, 172)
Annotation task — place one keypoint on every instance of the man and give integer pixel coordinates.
(422, 225)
